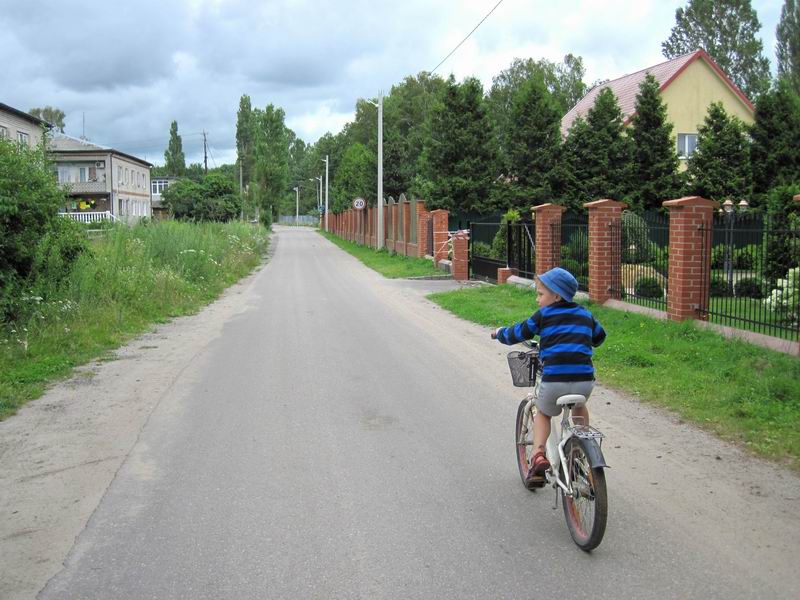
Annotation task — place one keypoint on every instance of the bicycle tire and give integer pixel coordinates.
(524, 451)
(586, 515)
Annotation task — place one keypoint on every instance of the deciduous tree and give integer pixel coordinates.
(787, 49)
(174, 159)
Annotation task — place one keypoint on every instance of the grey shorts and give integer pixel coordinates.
(547, 392)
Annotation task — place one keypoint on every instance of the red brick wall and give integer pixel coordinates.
(460, 263)
(690, 222)
(605, 253)
(548, 247)
(440, 234)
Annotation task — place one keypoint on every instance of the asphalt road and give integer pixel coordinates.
(344, 438)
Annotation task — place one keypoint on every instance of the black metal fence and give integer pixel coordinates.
(487, 251)
(574, 254)
(754, 275)
(644, 245)
(521, 243)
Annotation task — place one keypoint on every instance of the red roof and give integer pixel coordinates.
(625, 88)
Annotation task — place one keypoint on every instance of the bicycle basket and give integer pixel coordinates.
(523, 366)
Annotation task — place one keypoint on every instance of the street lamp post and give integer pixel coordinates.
(318, 188)
(326, 161)
(297, 206)
(379, 202)
(729, 213)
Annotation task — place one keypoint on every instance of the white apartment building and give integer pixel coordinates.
(18, 125)
(101, 179)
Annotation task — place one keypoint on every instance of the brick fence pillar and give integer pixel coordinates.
(439, 235)
(504, 273)
(548, 236)
(690, 223)
(406, 225)
(605, 251)
(423, 218)
(460, 264)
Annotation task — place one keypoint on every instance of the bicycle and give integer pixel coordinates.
(574, 450)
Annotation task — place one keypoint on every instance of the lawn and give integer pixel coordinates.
(743, 393)
(393, 266)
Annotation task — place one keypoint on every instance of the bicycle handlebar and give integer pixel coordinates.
(494, 335)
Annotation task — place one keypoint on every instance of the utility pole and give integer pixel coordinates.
(380, 170)
(297, 206)
(325, 160)
(205, 153)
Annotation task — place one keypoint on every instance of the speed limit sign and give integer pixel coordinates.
(359, 203)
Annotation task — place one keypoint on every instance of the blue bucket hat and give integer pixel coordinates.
(561, 282)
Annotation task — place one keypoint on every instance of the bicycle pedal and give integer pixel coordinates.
(537, 481)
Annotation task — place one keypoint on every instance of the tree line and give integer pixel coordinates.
(479, 151)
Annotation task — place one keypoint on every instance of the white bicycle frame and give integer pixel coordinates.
(560, 434)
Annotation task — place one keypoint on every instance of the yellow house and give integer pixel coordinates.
(687, 84)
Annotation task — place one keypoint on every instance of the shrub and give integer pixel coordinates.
(577, 247)
(499, 245)
(719, 287)
(745, 258)
(718, 256)
(783, 251)
(749, 287)
(574, 267)
(648, 287)
(785, 298)
(659, 259)
(55, 255)
(481, 249)
(636, 244)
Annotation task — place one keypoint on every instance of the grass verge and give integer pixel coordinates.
(741, 392)
(129, 279)
(393, 266)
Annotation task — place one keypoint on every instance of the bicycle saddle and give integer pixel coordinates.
(571, 399)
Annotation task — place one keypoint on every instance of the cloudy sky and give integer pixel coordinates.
(132, 67)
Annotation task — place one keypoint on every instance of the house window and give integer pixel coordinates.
(3, 133)
(63, 175)
(92, 173)
(687, 142)
(82, 175)
(119, 176)
(22, 138)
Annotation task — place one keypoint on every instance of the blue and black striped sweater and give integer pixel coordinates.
(567, 333)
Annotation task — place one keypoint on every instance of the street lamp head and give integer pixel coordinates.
(728, 206)
(743, 205)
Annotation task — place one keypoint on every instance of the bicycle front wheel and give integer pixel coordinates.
(524, 444)
(586, 511)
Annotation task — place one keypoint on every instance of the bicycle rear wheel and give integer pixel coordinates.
(587, 511)
(524, 445)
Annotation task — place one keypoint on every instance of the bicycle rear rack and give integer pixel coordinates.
(586, 432)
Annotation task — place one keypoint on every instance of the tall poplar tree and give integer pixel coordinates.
(728, 31)
(788, 43)
(655, 170)
(271, 169)
(244, 138)
(174, 160)
(719, 168)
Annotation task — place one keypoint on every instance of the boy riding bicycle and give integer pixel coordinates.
(567, 333)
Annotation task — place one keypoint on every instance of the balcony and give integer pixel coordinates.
(87, 187)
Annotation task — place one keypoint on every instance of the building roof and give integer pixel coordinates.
(24, 115)
(63, 143)
(625, 88)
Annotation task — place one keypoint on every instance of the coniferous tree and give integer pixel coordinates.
(598, 155)
(719, 168)
(728, 31)
(775, 148)
(788, 44)
(533, 142)
(174, 160)
(459, 156)
(655, 176)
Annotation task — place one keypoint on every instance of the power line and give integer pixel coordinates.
(466, 38)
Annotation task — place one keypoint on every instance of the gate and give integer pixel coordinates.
(485, 254)
(429, 240)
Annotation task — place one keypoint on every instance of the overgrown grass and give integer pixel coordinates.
(393, 266)
(742, 392)
(131, 277)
